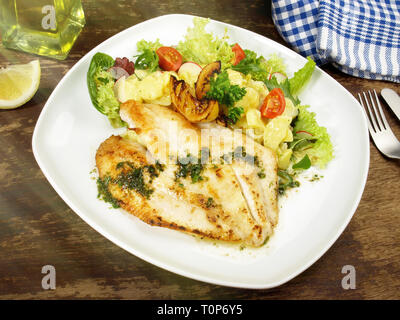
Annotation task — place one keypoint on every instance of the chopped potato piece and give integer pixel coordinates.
(276, 131)
(253, 117)
(236, 77)
(290, 109)
(251, 100)
(289, 135)
(153, 88)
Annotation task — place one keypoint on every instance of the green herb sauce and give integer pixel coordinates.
(240, 154)
(104, 193)
(210, 202)
(131, 178)
(134, 180)
(192, 167)
(286, 181)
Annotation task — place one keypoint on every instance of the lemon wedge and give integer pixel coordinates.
(18, 84)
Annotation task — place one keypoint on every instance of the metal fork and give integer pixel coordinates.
(379, 129)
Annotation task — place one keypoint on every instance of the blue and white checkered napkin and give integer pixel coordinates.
(360, 37)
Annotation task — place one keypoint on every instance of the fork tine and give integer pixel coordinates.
(370, 127)
(374, 114)
(373, 127)
(378, 119)
(385, 123)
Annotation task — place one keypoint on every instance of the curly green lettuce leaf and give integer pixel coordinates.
(203, 48)
(144, 45)
(301, 77)
(106, 98)
(276, 63)
(321, 151)
(258, 67)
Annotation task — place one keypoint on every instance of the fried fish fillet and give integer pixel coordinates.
(232, 201)
(185, 206)
(255, 189)
(166, 134)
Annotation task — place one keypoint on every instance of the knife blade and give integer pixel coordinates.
(392, 99)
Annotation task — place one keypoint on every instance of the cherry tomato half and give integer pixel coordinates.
(239, 54)
(169, 59)
(274, 104)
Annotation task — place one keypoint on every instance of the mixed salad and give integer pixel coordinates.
(252, 91)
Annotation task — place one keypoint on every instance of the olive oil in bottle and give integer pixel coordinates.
(43, 27)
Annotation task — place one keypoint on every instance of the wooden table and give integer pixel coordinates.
(37, 228)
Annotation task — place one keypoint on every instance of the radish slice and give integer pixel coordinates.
(118, 72)
(190, 67)
(189, 71)
(304, 134)
(190, 64)
(119, 89)
(279, 76)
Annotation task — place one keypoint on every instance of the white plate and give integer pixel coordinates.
(70, 129)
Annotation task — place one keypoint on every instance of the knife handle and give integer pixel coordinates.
(392, 99)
